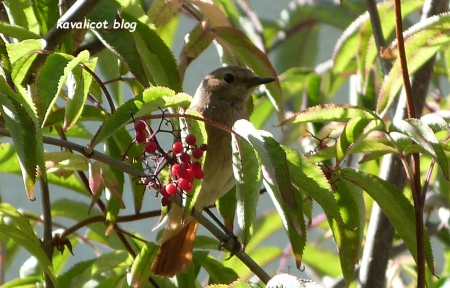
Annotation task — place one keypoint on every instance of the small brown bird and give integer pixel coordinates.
(221, 97)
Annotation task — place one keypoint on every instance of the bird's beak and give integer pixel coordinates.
(258, 81)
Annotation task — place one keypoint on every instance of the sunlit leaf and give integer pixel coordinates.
(247, 172)
(422, 41)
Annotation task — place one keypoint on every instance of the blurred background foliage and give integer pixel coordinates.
(66, 83)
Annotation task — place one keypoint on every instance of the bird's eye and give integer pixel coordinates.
(229, 78)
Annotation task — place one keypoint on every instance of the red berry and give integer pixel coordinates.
(181, 172)
(196, 165)
(185, 157)
(177, 147)
(190, 139)
(140, 126)
(183, 183)
(174, 169)
(204, 147)
(190, 174)
(141, 137)
(188, 188)
(171, 189)
(164, 201)
(150, 147)
(199, 174)
(197, 153)
(163, 192)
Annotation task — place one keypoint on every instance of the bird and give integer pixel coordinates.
(221, 97)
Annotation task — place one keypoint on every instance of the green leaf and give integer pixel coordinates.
(20, 119)
(357, 38)
(152, 99)
(226, 205)
(78, 83)
(24, 282)
(140, 271)
(5, 68)
(85, 271)
(158, 58)
(212, 13)
(17, 32)
(217, 272)
(330, 112)
(56, 161)
(162, 11)
(247, 172)
(195, 43)
(435, 122)
(309, 177)
(47, 13)
(21, 56)
(123, 44)
(423, 135)
(24, 235)
(348, 238)
(277, 181)
(396, 207)
(237, 43)
(50, 80)
(21, 13)
(422, 41)
(355, 130)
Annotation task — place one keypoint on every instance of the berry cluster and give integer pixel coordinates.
(183, 159)
(141, 137)
(186, 169)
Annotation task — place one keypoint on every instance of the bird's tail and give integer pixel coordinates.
(175, 254)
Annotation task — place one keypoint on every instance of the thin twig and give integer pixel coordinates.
(47, 239)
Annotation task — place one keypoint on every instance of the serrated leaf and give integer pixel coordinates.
(348, 239)
(21, 56)
(226, 205)
(24, 234)
(122, 43)
(423, 135)
(78, 83)
(152, 99)
(357, 38)
(237, 43)
(195, 43)
(435, 122)
(5, 68)
(211, 12)
(422, 41)
(163, 67)
(217, 272)
(330, 112)
(87, 270)
(55, 161)
(46, 13)
(396, 207)
(17, 32)
(140, 271)
(277, 181)
(308, 177)
(247, 172)
(20, 118)
(355, 131)
(162, 10)
(21, 13)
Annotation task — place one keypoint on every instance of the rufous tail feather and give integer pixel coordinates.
(175, 254)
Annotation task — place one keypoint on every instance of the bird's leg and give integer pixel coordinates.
(232, 243)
